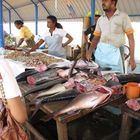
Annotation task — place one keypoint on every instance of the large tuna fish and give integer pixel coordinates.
(87, 101)
(84, 101)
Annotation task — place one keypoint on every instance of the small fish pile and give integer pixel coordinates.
(34, 59)
(10, 41)
(15, 55)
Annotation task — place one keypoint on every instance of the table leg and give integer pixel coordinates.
(125, 128)
(62, 130)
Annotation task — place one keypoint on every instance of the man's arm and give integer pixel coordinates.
(132, 51)
(20, 42)
(36, 46)
(92, 47)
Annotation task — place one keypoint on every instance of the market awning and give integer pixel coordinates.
(62, 8)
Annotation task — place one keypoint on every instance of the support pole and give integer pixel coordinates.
(10, 29)
(1, 25)
(92, 11)
(36, 19)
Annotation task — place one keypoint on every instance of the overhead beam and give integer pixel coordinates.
(33, 2)
(44, 7)
(13, 9)
(5, 7)
(28, 4)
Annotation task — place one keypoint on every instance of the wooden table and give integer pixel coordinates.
(128, 115)
(63, 120)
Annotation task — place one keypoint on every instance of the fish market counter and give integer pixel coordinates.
(66, 91)
(63, 120)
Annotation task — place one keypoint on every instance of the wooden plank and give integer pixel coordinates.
(37, 135)
(112, 136)
(62, 130)
(125, 127)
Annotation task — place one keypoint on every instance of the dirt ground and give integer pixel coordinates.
(100, 125)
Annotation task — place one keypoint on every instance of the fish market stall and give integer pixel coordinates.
(34, 59)
(19, 61)
(66, 91)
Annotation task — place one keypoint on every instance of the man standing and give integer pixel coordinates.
(90, 32)
(109, 38)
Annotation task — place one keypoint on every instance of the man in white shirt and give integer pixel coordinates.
(109, 37)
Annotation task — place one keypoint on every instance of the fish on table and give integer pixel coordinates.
(84, 101)
(42, 77)
(64, 95)
(32, 89)
(65, 64)
(56, 89)
(83, 64)
(24, 75)
(65, 73)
